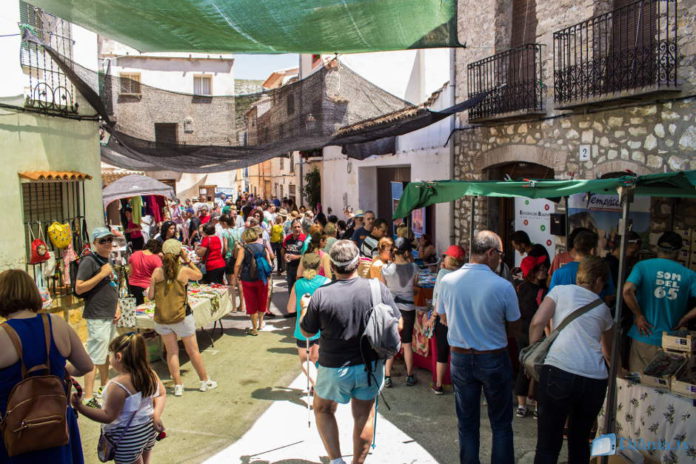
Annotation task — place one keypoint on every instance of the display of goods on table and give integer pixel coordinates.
(679, 340)
(197, 296)
(658, 372)
(684, 381)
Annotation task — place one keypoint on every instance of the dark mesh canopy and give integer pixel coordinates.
(147, 128)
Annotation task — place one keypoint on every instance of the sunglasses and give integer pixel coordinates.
(102, 241)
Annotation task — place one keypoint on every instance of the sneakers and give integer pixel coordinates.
(98, 394)
(179, 390)
(411, 381)
(93, 403)
(521, 411)
(535, 414)
(387, 382)
(207, 385)
(437, 390)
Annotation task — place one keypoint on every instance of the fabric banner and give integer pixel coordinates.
(601, 214)
(533, 217)
(270, 26)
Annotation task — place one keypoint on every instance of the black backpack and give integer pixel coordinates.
(74, 266)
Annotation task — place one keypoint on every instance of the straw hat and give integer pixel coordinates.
(171, 247)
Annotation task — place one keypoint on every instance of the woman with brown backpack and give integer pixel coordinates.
(34, 350)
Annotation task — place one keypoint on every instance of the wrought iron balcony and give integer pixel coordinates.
(627, 52)
(513, 79)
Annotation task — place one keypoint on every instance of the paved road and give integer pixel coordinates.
(258, 414)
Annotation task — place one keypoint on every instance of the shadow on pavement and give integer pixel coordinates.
(247, 460)
(279, 394)
(288, 350)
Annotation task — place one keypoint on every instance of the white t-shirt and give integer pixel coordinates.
(399, 279)
(578, 349)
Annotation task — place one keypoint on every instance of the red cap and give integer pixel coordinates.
(530, 262)
(456, 252)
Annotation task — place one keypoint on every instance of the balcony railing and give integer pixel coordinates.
(514, 81)
(631, 50)
(48, 88)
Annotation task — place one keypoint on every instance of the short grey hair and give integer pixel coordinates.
(484, 241)
(344, 251)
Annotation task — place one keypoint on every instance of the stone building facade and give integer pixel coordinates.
(637, 130)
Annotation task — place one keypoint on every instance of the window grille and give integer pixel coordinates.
(48, 89)
(45, 202)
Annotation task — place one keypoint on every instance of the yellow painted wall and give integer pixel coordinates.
(30, 142)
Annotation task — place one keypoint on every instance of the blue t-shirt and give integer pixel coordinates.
(303, 286)
(566, 275)
(477, 303)
(663, 291)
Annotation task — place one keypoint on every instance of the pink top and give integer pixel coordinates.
(142, 266)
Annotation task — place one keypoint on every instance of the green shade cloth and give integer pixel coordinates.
(265, 26)
(421, 194)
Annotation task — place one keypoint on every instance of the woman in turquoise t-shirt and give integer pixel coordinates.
(308, 284)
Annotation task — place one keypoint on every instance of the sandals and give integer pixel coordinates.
(252, 332)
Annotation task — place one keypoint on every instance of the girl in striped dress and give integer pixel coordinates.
(133, 402)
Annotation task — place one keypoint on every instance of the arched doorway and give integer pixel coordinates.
(501, 211)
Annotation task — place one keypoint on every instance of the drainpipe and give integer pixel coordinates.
(453, 125)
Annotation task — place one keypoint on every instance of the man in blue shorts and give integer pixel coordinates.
(339, 310)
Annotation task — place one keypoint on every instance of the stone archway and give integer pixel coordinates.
(553, 159)
(618, 166)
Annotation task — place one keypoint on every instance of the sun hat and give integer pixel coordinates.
(171, 247)
(359, 213)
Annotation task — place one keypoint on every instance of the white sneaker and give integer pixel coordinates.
(179, 390)
(208, 385)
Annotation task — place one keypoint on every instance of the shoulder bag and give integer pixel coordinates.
(106, 449)
(532, 357)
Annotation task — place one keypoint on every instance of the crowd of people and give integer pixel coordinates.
(337, 272)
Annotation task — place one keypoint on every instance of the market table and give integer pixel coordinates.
(209, 304)
(654, 415)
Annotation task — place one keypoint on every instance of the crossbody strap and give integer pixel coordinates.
(16, 341)
(577, 313)
(376, 292)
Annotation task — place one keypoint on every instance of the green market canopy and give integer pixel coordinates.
(421, 194)
(265, 26)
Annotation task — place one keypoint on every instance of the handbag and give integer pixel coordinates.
(39, 249)
(60, 234)
(106, 449)
(127, 304)
(533, 356)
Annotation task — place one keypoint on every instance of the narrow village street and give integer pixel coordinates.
(258, 414)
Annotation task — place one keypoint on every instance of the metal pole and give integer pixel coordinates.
(471, 223)
(567, 222)
(626, 195)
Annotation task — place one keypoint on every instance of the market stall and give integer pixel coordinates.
(680, 184)
(209, 304)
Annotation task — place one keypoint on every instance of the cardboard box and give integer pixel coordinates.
(678, 341)
(683, 388)
(662, 381)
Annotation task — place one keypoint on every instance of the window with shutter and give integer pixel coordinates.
(130, 83)
(165, 134)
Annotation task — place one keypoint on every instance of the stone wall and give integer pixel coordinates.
(643, 137)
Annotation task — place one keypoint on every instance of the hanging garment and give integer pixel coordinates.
(137, 206)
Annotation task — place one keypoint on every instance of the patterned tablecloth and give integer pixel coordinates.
(208, 304)
(654, 415)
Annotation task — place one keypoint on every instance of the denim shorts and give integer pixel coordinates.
(340, 384)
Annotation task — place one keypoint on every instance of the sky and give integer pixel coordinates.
(260, 66)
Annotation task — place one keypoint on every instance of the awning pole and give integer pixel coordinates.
(626, 195)
(567, 222)
(472, 208)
